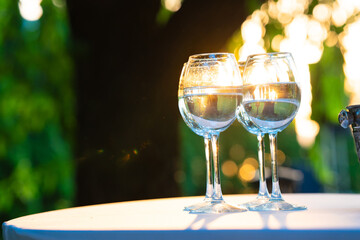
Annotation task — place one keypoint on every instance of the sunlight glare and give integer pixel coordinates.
(250, 48)
(339, 15)
(316, 31)
(349, 40)
(273, 95)
(251, 31)
(172, 5)
(272, 9)
(306, 131)
(260, 16)
(260, 75)
(297, 29)
(312, 52)
(304, 36)
(322, 12)
(348, 6)
(30, 10)
(284, 18)
(292, 7)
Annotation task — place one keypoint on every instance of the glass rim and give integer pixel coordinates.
(210, 56)
(269, 55)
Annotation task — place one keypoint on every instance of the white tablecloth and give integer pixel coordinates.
(329, 216)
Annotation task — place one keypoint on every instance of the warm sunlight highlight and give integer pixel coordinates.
(30, 10)
(349, 40)
(229, 168)
(247, 171)
(172, 5)
(304, 36)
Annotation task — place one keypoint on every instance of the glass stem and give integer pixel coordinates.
(217, 194)
(209, 168)
(275, 194)
(263, 191)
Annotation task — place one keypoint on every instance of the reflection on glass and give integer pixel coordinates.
(198, 131)
(244, 119)
(271, 100)
(209, 92)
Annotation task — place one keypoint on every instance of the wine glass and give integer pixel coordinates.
(208, 95)
(271, 100)
(198, 131)
(263, 194)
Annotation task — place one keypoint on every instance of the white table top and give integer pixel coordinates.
(329, 216)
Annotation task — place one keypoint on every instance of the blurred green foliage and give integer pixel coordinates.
(36, 111)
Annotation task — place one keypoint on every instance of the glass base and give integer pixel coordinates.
(277, 205)
(258, 201)
(204, 203)
(218, 207)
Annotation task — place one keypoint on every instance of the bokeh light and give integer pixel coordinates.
(252, 31)
(349, 40)
(322, 12)
(229, 168)
(59, 3)
(172, 5)
(304, 36)
(247, 170)
(30, 10)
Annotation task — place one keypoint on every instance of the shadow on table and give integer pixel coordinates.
(273, 220)
(203, 220)
(270, 220)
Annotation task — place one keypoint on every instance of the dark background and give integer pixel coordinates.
(127, 68)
